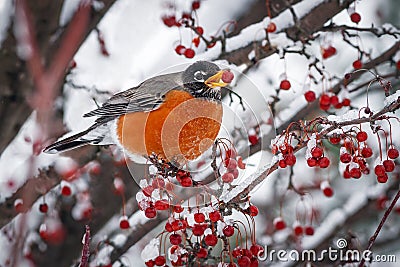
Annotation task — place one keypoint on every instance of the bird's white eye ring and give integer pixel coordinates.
(199, 76)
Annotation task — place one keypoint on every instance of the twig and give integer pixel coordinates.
(85, 248)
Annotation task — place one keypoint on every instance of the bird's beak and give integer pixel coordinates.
(215, 80)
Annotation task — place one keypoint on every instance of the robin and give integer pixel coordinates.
(177, 116)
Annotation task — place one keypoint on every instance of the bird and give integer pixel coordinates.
(176, 116)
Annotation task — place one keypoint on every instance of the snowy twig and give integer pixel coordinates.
(85, 248)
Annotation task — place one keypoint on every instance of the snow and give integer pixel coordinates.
(151, 250)
(392, 98)
(6, 13)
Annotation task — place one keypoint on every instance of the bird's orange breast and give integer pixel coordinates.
(182, 128)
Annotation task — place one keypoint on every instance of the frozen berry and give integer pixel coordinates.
(43, 207)
(160, 260)
(361, 136)
(66, 190)
(279, 223)
(175, 239)
(228, 230)
(124, 224)
(379, 170)
(309, 230)
(189, 53)
(324, 162)
(199, 30)
(393, 153)
(389, 165)
(195, 5)
(150, 212)
(180, 49)
(271, 27)
(310, 96)
(317, 152)
(366, 152)
(227, 76)
(357, 64)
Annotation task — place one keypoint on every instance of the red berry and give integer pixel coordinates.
(271, 27)
(187, 182)
(298, 230)
(150, 212)
(355, 173)
(66, 190)
(169, 21)
(160, 260)
(366, 152)
(214, 216)
(43, 207)
(398, 64)
(196, 41)
(345, 158)
(150, 263)
(195, 5)
(202, 253)
(282, 163)
(357, 64)
(243, 261)
(317, 152)
(199, 217)
(346, 102)
(355, 17)
(290, 159)
(361, 136)
(379, 170)
(124, 224)
(325, 99)
(236, 252)
(312, 162)
(382, 178)
(227, 76)
(324, 162)
(346, 174)
(211, 240)
(393, 153)
(231, 164)
(19, 206)
(189, 53)
(175, 239)
(199, 30)
(279, 223)
(253, 139)
(309, 230)
(389, 165)
(180, 49)
(256, 250)
(178, 208)
(228, 230)
(310, 96)
(161, 204)
(328, 191)
(241, 164)
(198, 230)
(227, 177)
(334, 100)
(253, 210)
(285, 85)
(328, 52)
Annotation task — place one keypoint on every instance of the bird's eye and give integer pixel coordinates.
(199, 76)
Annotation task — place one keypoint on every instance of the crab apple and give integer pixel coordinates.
(178, 208)
(214, 216)
(285, 85)
(228, 230)
(189, 53)
(317, 152)
(241, 164)
(355, 17)
(379, 170)
(199, 30)
(187, 182)
(282, 164)
(66, 190)
(334, 100)
(325, 99)
(324, 162)
(310, 96)
(160, 260)
(196, 41)
(256, 250)
(124, 224)
(328, 52)
(393, 153)
(382, 178)
(298, 230)
(389, 165)
(346, 174)
(150, 212)
(150, 263)
(231, 164)
(236, 252)
(290, 159)
(366, 152)
(199, 217)
(361, 136)
(198, 230)
(161, 204)
(211, 240)
(43, 207)
(279, 223)
(271, 27)
(345, 158)
(335, 139)
(328, 191)
(175, 239)
(180, 49)
(227, 76)
(309, 230)
(357, 64)
(235, 173)
(202, 253)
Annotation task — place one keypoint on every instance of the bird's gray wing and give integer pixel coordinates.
(145, 97)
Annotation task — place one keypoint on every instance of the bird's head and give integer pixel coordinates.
(203, 78)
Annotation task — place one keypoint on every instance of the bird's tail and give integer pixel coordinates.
(68, 143)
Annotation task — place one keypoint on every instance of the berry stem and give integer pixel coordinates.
(382, 222)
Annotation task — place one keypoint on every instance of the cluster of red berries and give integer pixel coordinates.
(328, 100)
(287, 155)
(232, 164)
(317, 158)
(194, 232)
(299, 230)
(387, 165)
